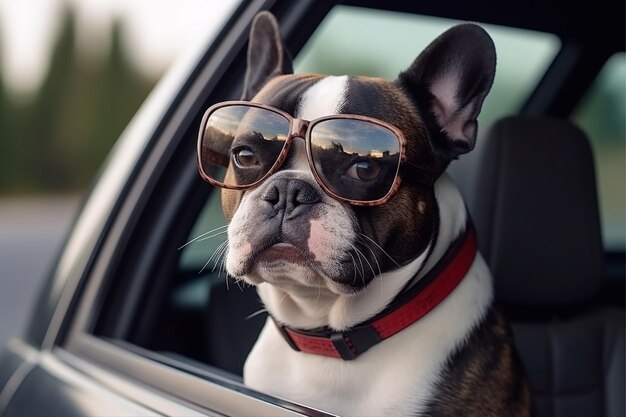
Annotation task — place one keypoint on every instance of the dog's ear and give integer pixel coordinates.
(267, 56)
(449, 81)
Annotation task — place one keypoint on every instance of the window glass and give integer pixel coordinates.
(380, 43)
(201, 258)
(206, 237)
(602, 115)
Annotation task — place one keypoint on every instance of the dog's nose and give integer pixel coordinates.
(292, 195)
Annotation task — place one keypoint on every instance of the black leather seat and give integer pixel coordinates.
(530, 188)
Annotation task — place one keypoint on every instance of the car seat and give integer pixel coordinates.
(531, 191)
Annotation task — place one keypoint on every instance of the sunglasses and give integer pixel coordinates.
(355, 159)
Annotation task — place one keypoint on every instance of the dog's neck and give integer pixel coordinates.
(322, 308)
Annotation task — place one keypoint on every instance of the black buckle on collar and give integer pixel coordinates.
(348, 344)
(354, 342)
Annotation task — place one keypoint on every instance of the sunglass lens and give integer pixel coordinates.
(240, 144)
(355, 159)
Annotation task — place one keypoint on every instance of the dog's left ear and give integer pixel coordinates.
(449, 81)
(267, 56)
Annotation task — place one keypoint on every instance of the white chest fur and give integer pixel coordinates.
(395, 377)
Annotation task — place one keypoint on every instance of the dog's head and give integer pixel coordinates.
(287, 230)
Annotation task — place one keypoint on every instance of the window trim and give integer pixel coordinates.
(182, 383)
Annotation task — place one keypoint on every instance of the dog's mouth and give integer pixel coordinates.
(275, 253)
(282, 252)
(281, 263)
(288, 265)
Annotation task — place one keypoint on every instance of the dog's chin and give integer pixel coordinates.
(294, 271)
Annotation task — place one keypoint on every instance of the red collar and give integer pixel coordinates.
(405, 310)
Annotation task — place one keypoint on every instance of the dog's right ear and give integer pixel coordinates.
(267, 56)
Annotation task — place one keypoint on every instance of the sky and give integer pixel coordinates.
(157, 31)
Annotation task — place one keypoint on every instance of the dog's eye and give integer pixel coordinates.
(245, 158)
(364, 171)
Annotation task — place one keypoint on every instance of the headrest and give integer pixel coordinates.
(534, 203)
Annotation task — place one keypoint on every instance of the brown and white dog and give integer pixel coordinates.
(416, 333)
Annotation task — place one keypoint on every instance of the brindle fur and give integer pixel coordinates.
(485, 377)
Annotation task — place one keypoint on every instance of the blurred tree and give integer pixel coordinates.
(101, 101)
(602, 110)
(57, 140)
(5, 144)
(9, 149)
(46, 158)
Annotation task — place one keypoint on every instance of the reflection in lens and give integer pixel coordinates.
(341, 148)
(238, 131)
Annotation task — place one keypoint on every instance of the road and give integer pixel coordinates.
(31, 233)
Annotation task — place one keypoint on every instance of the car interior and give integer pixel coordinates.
(547, 262)
(531, 189)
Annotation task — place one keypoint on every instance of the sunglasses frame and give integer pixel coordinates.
(302, 129)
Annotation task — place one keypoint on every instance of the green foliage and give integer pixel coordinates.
(57, 140)
(601, 112)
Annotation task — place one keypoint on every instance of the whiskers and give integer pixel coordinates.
(218, 254)
(218, 257)
(364, 264)
(361, 257)
(256, 313)
(368, 240)
(218, 231)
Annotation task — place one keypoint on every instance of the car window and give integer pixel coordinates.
(601, 115)
(381, 43)
(207, 236)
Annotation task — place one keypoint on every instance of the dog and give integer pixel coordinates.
(378, 302)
